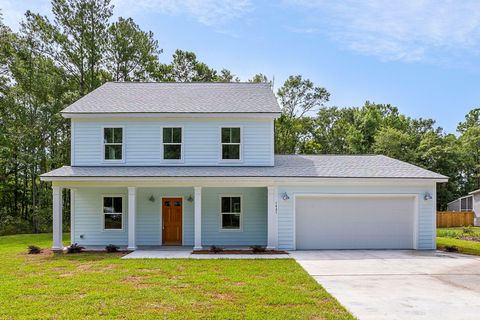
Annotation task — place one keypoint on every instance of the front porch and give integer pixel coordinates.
(143, 217)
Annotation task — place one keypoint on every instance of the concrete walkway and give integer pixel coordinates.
(186, 253)
(398, 284)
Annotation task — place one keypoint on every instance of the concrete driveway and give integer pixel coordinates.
(398, 284)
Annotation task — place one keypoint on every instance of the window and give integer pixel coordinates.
(113, 144)
(172, 143)
(230, 212)
(112, 213)
(231, 144)
(466, 204)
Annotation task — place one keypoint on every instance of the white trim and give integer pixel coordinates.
(272, 217)
(220, 213)
(72, 143)
(220, 144)
(261, 180)
(362, 195)
(113, 126)
(197, 218)
(113, 195)
(186, 115)
(132, 218)
(272, 144)
(161, 218)
(182, 145)
(57, 228)
(72, 215)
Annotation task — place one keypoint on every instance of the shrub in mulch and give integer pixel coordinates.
(451, 248)
(216, 249)
(112, 248)
(75, 248)
(33, 249)
(258, 249)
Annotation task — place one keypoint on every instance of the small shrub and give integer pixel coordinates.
(468, 230)
(451, 248)
(32, 249)
(446, 233)
(75, 248)
(258, 249)
(216, 249)
(112, 248)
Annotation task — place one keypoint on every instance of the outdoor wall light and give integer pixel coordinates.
(151, 199)
(190, 198)
(427, 196)
(285, 196)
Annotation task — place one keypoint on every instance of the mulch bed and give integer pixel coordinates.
(239, 252)
(470, 238)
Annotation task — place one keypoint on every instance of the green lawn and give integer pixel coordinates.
(449, 237)
(101, 285)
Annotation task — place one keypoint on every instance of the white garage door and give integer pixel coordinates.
(354, 222)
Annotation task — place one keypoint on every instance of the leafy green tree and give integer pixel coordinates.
(76, 40)
(259, 78)
(132, 54)
(297, 97)
(393, 143)
(226, 75)
(186, 68)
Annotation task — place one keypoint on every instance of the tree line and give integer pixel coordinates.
(47, 65)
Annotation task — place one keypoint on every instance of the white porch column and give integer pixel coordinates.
(198, 218)
(272, 220)
(72, 215)
(132, 212)
(57, 219)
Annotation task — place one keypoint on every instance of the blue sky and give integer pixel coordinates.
(422, 56)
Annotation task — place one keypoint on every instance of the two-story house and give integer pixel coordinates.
(193, 164)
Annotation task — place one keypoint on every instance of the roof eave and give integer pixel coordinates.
(264, 115)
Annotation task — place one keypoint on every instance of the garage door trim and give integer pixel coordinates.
(357, 195)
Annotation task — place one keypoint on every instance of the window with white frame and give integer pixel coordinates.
(230, 212)
(112, 212)
(172, 143)
(113, 144)
(231, 143)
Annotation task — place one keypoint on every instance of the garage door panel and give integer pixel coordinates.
(354, 222)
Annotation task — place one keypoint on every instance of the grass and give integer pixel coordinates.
(450, 237)
(93, 285)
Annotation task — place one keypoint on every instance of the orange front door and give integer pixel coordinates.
(172, 221)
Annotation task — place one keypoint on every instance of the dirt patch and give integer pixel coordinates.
(239, 252)
(138, 282)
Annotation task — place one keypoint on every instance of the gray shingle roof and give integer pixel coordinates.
(166, 97)
(288, 166)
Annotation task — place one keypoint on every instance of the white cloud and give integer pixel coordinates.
(207, 12)
(408, 30)
(13, 11)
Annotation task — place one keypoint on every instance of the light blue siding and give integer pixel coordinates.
(142, 139)
(254, 215)
(426, 209)
(89, 217)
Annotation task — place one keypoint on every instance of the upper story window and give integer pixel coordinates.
(113, 144)
(172, 143)
(231, 143)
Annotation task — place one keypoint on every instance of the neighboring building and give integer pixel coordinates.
(193, 164)
(461, 204)
(470, 202)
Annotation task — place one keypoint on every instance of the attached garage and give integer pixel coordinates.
(355, 221)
